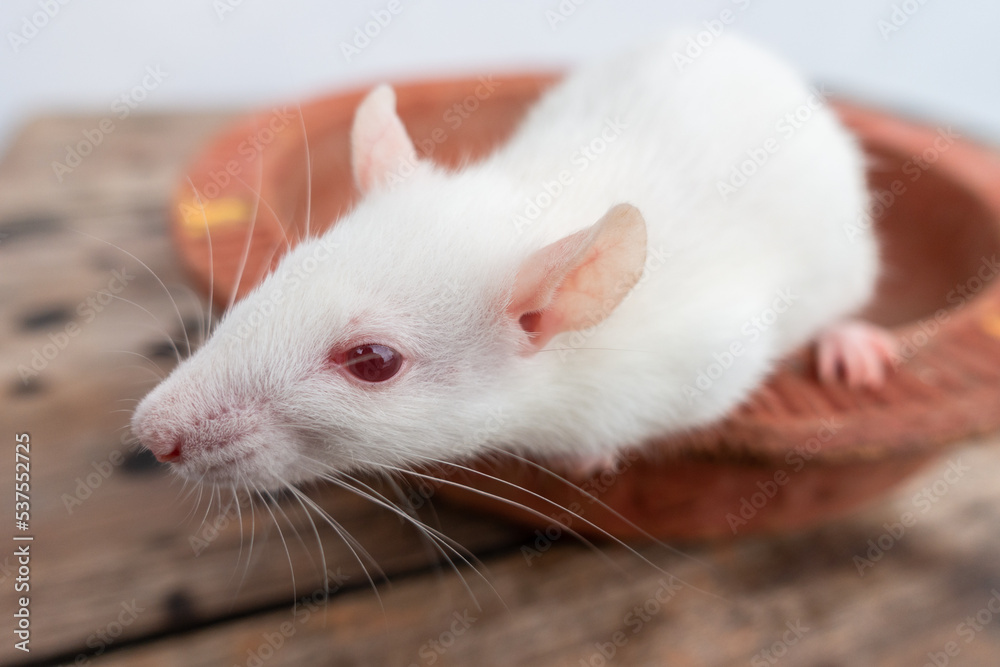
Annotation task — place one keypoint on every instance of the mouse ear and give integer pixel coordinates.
(380, 145)
(578, 281)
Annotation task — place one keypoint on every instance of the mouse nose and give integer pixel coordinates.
(166, 450)
(173, 455)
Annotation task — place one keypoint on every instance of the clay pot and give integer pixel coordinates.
(797, 452)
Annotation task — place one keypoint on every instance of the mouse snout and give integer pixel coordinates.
(203, 439)
(187, 432)
(165, 450)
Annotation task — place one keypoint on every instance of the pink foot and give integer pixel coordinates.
(580, 468)
(856, 352)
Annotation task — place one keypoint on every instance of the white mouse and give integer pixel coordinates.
(630, 265)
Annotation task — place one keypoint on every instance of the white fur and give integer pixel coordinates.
(427, 267)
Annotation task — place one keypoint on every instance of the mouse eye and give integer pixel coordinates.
(372, 363)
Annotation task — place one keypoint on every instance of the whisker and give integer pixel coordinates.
(141, 356)
(200, 488)
(239, 519)
(594, 499)
(177, 499)
(270, 209)
(354, 546)
(211, 255)
(211, 499)
(203, 324)
(430, 548)
(158, 375)
(170, 296)
(561, 508)
(253, 531)
(599, 349)
(319, 543)
(305, 143)
(291, 567)
(435, 537)
(512, 503)
(277, 506)
(249, 236)
(194, 509)
(372, 494)
(159, 324)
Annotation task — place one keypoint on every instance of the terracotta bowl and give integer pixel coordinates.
(797, 452)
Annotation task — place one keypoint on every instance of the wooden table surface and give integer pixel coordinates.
(125, 571)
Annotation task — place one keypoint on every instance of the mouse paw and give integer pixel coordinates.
(855, 352)
(579, 468)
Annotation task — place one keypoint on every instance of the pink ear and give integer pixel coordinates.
(379, 142)
(578, 281)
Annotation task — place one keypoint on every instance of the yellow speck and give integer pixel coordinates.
(201, 216)
(991, 324)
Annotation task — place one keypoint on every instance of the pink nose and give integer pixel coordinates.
(167, 450)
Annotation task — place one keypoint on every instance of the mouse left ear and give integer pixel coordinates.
(380, 146)
(578, 281)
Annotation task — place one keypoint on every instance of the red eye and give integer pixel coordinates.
(373, 363)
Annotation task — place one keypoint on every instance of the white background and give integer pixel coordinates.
(942, 64)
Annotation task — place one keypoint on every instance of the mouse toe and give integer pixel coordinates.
(855, 352)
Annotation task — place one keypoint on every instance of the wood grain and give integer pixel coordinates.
(130, 541)
(108, 522)
(566, 606)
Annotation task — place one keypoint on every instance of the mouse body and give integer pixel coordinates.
(631, 264)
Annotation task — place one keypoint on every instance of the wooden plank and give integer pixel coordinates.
(566, 606)
(127, 547)
(108, 526)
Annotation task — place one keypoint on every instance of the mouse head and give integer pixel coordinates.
(405, 334)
